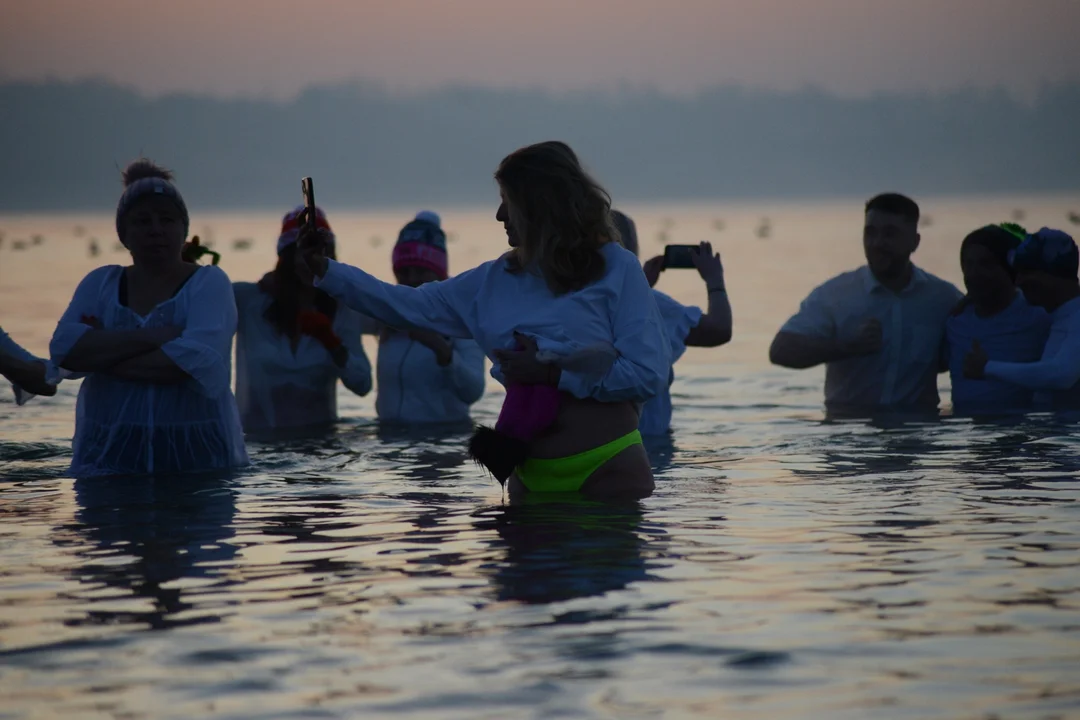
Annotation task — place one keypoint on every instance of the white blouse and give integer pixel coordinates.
(489, 303)
(276, 387)
(414, 388)
(124, 427)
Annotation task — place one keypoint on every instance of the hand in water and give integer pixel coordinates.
(520, 367)
(708, 266)
(652, 268)
(867, 341)
(975, 362)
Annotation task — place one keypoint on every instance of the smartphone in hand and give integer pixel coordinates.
(310, 229)
(678, 257)
(307, 187)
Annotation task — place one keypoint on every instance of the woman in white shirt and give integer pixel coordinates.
(423, 376)
(293, 343)
(563, 287)
(154, 342)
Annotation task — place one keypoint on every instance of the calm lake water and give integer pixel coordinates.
(785, 568)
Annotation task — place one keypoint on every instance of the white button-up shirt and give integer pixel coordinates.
(903, 374)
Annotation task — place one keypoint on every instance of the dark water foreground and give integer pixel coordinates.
(785, 568)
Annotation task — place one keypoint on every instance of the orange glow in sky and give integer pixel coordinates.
(274, 47)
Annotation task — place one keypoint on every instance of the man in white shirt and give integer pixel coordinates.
(879, 329)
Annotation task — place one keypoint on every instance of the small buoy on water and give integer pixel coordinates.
(764, 228)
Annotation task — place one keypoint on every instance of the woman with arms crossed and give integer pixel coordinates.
(154, 341)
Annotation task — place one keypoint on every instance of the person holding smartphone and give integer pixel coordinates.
(564, 286)
(154, 343)
(294, 342)
(424, 376)
(686, 326)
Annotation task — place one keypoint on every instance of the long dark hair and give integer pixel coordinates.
(561, 212)
(284, 289)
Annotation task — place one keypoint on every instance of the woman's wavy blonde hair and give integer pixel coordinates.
(562, 215)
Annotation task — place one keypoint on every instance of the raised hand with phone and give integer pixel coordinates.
(714, 328)
(315, 243)
(679, 257)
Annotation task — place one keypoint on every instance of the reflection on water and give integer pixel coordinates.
(826, 569)
(560, 550)
(140, 537)
(787, 566)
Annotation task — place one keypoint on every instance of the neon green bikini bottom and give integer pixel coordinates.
(568, 474)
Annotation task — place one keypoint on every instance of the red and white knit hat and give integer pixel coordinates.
(290, 227)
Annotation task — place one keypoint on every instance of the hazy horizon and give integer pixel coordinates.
(251, 48)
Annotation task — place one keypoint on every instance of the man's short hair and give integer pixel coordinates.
(895, 204)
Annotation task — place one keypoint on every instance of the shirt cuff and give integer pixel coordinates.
(331, 280)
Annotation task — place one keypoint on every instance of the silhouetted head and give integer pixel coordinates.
(290, 230)
(626, 229)
(284, 285)
(1046, 268)
(984, 259)
(151, 217)
(556, 216)
(890, 234)
(420, 253)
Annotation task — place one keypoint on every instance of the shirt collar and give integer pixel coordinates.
(871, 283)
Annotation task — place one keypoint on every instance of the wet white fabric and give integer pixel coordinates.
(679, 320)
(124, 427)
(277, 387)
(414, 388)
(489, 303)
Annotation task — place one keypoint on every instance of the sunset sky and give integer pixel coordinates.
(273, 47)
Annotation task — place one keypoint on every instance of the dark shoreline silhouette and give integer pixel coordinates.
(62, 143)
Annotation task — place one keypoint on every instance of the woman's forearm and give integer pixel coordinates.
(714, 328)
(152, 367)
(100, 350)
(27, 374)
